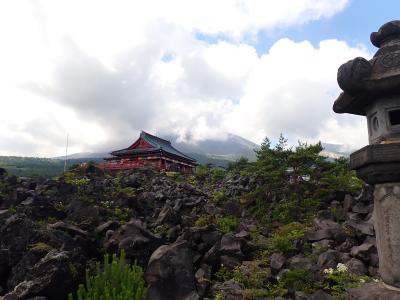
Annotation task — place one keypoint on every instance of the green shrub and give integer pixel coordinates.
(298, 280)
(283, 239)
(226, 224)
(40, 246)
(49, 220)
(117, 281)
(219, 296)
(202, 221)
(223, 274)
(338, 280)
(217, 174)
(121, 214)
(219, 196)
(201, 172)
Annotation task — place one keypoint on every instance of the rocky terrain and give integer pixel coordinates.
(193, 241)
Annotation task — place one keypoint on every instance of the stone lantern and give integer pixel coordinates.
(372, 89)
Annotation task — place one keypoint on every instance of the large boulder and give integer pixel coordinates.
(53, 277)
(373, 291)
(137, 242)
(170, 274)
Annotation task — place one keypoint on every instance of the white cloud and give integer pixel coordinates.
(103, 70)
(291, 90)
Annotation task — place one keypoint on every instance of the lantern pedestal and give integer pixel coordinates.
(387, 230)
(379, 165)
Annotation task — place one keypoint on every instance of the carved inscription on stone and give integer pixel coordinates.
(391, 60)
(387, 226)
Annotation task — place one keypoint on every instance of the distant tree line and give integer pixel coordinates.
(35, 166)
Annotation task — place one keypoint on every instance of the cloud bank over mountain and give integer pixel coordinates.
(104, 70)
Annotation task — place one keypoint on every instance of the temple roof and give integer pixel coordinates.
(158, 144)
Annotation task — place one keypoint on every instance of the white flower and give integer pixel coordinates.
(341, 268)
(328, 271)
(362, 280)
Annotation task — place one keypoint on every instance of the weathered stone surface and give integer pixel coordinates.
(137, 242)
(363, 251)
(321, 295)
(322, 234)
(300, 262)
(300, 296)
(387, 224)
(170, 274)
(373, 291)
(356, 267)
(277, 261)
(328, 259)
(51, 278)
(231, 290)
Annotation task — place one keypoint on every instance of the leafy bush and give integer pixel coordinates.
(239, 165)
(117, 281)
(298, 280)
(219, 196)
(202, 221)
(40, 246)
(338, 280)
(217, 175)
(283, 239)
(295, 181)
(201, 172)
(121, 214)
(226, 224)
(255, 278)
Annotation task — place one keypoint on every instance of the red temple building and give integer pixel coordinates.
(150, 151)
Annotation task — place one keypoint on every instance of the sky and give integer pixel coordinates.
(102, 71)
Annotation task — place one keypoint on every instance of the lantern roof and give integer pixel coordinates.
(364, 81)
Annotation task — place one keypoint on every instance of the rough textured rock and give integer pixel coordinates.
(170, 274)
(373, 291)
(321, 295)
(137, 242)
(277, 261)
(52, 277)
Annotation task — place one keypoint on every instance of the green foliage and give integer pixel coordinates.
(121, 214)
(75, 179)
(209, 174)
(201, 172)
(283, 239)
(239, 165)
(223, 274)
(40, 247)
(117, 281)
(49, 220)
(226, 224)
(202, 221)
(255, 278)
(219, 196)
(338, 280)
(219, 296)
(12, 209)
(177, 176)
(298, 280)
(217, 175)
(34, 166)
(59, 206)
(295, 180)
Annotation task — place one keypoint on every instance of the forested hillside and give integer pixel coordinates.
(34, 166)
